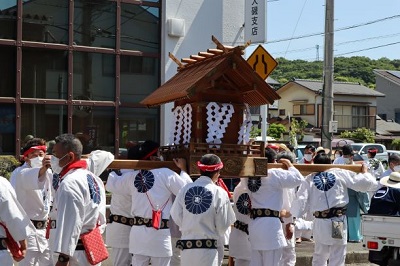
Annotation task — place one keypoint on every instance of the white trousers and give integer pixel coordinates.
(5, 258)
(37, 258)
(176, 253)
(288, 256)
(335, 253)
(266, 257)
(199, 257)
(121, 257)
(241, 262)
(140, 260)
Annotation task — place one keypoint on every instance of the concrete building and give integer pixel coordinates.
(83, 66)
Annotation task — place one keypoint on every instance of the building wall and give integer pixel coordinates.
(224, 19)
(388, 104)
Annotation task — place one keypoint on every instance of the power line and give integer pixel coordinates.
(370, 48)
(340, 29)
(340, 43)
(295, 27)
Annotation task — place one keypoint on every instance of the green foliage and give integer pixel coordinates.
(7, 165)
(396, 143)
(359, 135)
(297, 127)
(276, 130)
(346, 69)
(255, 132)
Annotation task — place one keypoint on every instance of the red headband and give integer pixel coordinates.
(150, 154)
(34, 148)
(209, 168)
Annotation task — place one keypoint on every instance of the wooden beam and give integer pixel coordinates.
(206, 54)
(197, 57)
(219, 45)
(248, 168)
(175, 60)
(188, 60)
(142, 164)
(215, 51)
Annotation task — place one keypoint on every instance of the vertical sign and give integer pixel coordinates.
(255, 23)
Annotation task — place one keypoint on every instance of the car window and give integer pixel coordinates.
(356, 148)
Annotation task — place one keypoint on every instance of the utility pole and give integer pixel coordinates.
(317, 47)
(327, 92)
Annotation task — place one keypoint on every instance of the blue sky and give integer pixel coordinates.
(289, 19)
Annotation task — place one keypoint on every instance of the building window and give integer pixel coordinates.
(359, 116)
(69, 77)
(282, 112)
(303, 109)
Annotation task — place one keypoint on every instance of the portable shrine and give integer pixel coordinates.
(212, 94)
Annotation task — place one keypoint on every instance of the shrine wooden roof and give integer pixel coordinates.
(219, 75)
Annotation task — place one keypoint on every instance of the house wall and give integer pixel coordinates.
(298, 93)
(387, 104)
(294, 94)
(223, 19)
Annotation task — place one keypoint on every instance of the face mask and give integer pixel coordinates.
(308, 157)
(396, 168)
(347, 160)
(337, 155)
(55, 164)
(36, 162)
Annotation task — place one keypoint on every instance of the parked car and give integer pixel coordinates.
(390, 152)
(362, 149)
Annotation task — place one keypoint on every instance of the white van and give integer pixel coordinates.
(362, 149)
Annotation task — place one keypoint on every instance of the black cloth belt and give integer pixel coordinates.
(3, 245)
(255, 213)
(329, 213)
(148, 222)
(120, 219)
(196, 243)
(39, 224)
(79, 246)
(241, 226)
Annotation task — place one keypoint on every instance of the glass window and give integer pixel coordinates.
(140, 28)
(303, 109)
(94, 76)
(7, 128)
(94, 23)
(139, 77)
(7, 69)
(45, 21)
(138, 124)
(44, 73)
(95, 127)
(43, 121)
(8, 19)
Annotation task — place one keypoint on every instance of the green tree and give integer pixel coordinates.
(396, 143)
(360, 135)
(298, 127)
(276, 130)
(255, 132)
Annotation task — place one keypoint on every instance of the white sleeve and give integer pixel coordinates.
(359, 182)
(176, 211)
(12, 214)
(120, 184)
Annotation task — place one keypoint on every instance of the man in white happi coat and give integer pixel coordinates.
(203, 212)
(119, 227)
(33, 188)
(14, 218)
(80, 199)
(266, 195)
(97, 163)
(239, 243)
(150, 191)
(325, 193)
